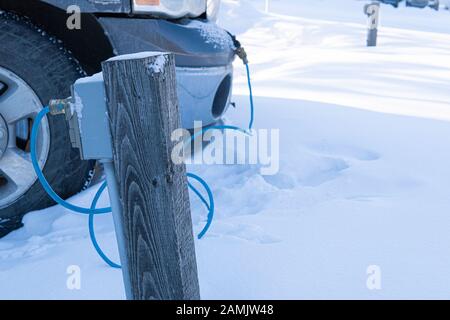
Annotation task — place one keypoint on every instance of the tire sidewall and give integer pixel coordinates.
(48, 70)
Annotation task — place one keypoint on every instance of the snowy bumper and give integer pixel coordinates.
(204, 54)
(203, 93)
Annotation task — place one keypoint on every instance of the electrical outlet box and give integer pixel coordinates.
(88, 120)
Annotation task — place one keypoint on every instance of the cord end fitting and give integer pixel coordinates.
(58, 106)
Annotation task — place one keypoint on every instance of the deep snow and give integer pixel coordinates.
(363, 176)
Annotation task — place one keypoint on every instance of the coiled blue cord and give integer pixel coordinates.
(92, 230)
(211, 201)
(92, 211)
(40, 175)
(209, 206)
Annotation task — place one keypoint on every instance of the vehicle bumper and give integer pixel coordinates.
(204, 54)
(204, 93)
(195, 43)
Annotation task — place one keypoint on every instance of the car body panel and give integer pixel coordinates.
(198, 89)
(94, 6)
(204, 54)
(195, 43)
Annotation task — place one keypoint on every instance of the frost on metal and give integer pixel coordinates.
(212, 34)
(77, 107)
(77, 103)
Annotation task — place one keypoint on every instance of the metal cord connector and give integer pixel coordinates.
(240, 52)
(239, 49)
(58, 106)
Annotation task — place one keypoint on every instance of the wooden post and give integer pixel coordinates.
(143, 111)
(372, 11)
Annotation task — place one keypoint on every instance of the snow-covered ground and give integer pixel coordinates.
(364, 175)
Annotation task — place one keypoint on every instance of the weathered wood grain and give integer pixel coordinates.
(143, 112)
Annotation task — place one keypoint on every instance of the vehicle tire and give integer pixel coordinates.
(33, 62)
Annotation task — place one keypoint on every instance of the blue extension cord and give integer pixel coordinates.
(102, 189)
(92, 211)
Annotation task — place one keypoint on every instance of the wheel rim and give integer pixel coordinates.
(19, 105)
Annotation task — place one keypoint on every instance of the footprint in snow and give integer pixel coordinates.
(246, 232)
(344, 151)
(310, 170)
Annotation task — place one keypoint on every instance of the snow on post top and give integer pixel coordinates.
(156, 67)
(139, 55)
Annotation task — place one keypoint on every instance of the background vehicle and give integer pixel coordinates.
(417, 3)
(40, 57)
(434, 4)
(394, 3)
